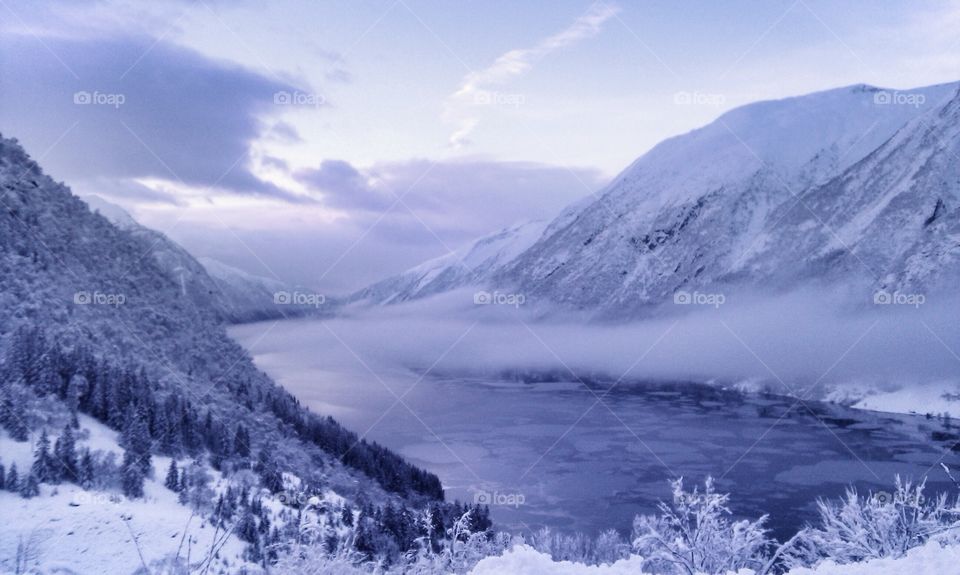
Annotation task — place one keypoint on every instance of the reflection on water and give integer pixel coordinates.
(587, 458)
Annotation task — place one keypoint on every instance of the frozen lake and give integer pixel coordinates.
(584, 458)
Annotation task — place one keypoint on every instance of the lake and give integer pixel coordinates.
(585, 458)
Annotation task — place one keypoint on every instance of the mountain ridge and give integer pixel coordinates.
(704, 208)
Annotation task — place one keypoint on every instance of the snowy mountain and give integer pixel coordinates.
(472, 265)
(853, 183)
(236, 295)
(249, 297)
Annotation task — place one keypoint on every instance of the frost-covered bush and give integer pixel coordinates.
(607, 547)
(859, 528)
(315, 560)
(694, 534)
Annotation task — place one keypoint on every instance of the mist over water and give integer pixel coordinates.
(802, 342)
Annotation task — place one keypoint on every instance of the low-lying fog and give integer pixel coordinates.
(788, 344)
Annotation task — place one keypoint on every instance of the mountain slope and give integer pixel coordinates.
(772, 193)
(236, 296)
(469, 266)
(697, 208)
(891, 219)
(90, 324)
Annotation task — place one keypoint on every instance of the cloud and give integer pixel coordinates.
(455, 200)
(125, 190)
(342, 184)
(475, 88)
(356, 233)
(137, 108)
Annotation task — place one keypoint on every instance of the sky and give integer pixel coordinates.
(331, 144)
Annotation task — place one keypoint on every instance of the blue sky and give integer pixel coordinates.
(278, 136)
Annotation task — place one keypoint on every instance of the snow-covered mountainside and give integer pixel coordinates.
(855, 182)
(250, 297)
(108, 366)
(236, 295)
(468, 266)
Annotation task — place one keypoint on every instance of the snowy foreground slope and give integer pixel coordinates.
(73, 530)
(931, 559)
(857, 185)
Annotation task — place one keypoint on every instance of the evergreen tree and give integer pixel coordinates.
(13, 413)
(172, 482)
(247, 527)
(131, 475)
(241, 442)
(65, 452)
(13, 478)
(363, 541)
(86, 473)
(43, 468)
(269, 471)
(136, 439)
(76, 388)
(3, 477)
(30, 487)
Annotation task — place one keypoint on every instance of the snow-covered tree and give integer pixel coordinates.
(694, 534)
(172, 481)
(65, 455)
(136, 439)
(43, 467)
(13, 478)
(30, 486)
(86, 472)
(131, 475)
(857, 528)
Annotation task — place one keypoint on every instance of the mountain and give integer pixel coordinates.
(113, 370)
(468, 266)
(771, 193)
(249, 297)
(233, 294)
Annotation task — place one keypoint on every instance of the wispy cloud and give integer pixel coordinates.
(476, 88)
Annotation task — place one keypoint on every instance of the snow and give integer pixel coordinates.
(89, 532)
(469, 265)
(526, 560)
(935, 398)
(931, 559)
(239, 278)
